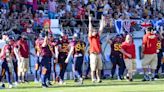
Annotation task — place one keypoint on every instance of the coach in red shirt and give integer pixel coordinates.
(149, 53)
(95, 50)
(23, 62)
(129, 54)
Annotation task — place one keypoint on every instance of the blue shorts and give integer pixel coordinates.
(78, 62)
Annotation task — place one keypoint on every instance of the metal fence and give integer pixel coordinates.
(7, 24)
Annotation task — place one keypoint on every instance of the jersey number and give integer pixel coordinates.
(64, 47)
(159, 45)
(117, 47)
(79, 47)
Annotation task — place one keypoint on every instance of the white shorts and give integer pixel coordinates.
(95, 62)
(23, 64)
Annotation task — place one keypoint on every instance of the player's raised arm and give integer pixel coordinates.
(102, 24)
(90, 26)
(56, 51)
(45, 43)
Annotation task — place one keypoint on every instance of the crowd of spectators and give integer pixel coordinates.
(29, 15)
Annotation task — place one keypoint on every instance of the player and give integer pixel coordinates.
(62, 55)
(38, 44)
(77, 49)
(7, 64)
(116, 56)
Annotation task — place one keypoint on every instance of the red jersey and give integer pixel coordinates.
(150, 43)
(24, 48)
(81, 13)
(130, 49)
(95, 46)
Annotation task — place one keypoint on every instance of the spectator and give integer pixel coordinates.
(52, 8)
(68, 7)
(5, 4)
(100, 6)
(106, 7)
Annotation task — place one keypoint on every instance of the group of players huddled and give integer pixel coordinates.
(15, 56)
(59, 51)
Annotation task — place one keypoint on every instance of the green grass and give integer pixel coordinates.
(106, 86)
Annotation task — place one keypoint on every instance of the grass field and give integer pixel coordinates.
(107, 86)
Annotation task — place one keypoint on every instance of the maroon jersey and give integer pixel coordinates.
(79, 47)
(162, 42)
(38, 45)
(52, 44)
(63, 47)
(159, 44)
(24, 48)
(46, 52)
(7, 50)
(116, 46)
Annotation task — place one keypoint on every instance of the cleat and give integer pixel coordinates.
(10, 86)
(99, 81)
(36, 81)
(130, 80)
(44, 86)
